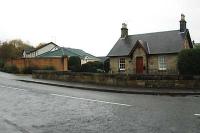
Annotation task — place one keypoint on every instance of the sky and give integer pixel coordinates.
(92, 25)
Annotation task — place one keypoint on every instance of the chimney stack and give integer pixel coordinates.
(124, 31)
(182, 23)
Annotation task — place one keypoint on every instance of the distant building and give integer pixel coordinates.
(103, 58)
(149, 53)
(31, 53)
(61, 51)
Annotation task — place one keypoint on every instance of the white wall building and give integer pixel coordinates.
(40, 50)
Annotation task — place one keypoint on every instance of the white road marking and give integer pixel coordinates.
(92, 100)
(72, 97)
(13, 88)
(197, 114)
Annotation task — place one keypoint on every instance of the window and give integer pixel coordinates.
(122, 64)
(162, 63)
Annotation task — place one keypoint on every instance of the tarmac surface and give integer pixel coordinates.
(28, 107)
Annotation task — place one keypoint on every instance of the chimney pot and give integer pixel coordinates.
(182, 16)
(124, 31)
(124, 25)
(183, 23)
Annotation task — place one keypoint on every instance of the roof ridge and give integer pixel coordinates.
(153, 32)
(67, 49)
(43, 54)
(156, 43)
(83, 54)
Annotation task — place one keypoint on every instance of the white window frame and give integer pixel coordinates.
(162, 63)
(122, 64)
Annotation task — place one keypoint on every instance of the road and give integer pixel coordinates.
(36, 108)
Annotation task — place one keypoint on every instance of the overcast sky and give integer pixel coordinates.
(92, 25)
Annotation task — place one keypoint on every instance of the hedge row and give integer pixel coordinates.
(189, 61)
(94, 67)
(26, 70)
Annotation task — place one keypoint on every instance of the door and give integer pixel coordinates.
(139, 65)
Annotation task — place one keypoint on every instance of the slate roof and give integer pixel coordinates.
(67, 52)
(155, 43)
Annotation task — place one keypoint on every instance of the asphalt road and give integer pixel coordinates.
(36, 108)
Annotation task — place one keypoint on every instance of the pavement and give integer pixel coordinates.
(115, 89)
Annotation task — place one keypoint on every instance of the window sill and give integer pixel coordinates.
(162, 69)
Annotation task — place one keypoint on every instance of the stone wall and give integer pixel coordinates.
(60, 63)
(141, 81)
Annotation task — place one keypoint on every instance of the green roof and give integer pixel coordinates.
(66, 52)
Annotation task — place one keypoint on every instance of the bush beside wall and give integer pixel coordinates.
(189, 61)
(93, 67)
(74, 64)
(10, 69)
(1, 63)
(27, 70)
(30, 69)
(106, 65)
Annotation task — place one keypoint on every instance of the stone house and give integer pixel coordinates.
(150, 53)
(31, 53)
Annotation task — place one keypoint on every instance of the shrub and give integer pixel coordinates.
(11, 69)
(1, 63)
(48, 68)
(28, 70)
(93, 67)
(189, 61)
(74, 64)
(106, 65)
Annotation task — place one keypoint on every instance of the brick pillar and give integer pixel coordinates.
(65, 63)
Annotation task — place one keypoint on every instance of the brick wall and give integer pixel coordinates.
(59, 63)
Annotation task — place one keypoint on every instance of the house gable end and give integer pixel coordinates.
(140, 44)
(188, 38)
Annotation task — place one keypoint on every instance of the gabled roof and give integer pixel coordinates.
(30, 50)
(156, 43)
(67, 52)
(44, 45)
(142, 44)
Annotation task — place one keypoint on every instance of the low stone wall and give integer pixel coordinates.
(150, 81)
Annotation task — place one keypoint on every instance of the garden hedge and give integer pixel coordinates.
(189, 61)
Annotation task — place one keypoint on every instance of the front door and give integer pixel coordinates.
(139, 65)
